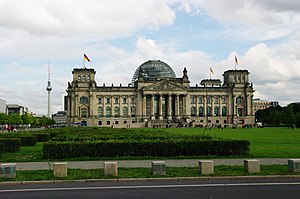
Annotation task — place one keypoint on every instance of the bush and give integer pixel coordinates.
(10, 144)
(25, 139)
(153, 148)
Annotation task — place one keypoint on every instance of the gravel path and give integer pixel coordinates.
(145, 163)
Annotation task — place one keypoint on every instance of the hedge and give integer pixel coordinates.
(153, 148)
(10, 144)
(25, 139)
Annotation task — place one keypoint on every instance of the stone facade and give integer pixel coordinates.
(160, 101)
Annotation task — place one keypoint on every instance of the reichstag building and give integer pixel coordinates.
(157, 98)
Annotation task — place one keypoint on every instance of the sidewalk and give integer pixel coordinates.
(145, 163)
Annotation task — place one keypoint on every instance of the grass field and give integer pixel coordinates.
(265, 143)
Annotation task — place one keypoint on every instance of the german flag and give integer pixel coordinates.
(86, 58)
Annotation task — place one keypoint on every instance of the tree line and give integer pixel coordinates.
(280, 116)
(26, 119)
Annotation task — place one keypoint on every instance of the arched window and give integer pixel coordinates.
(193, 111)
(117, 112)
(133, 111)
(125, 111)
(224, 111)
(84, 100)
(108, 111)
(216, 111)
(100, 112)
(239, 100)
(201, 111)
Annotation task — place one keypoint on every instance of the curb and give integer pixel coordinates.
(151, 179)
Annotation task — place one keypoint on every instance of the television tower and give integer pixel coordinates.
(49, 89)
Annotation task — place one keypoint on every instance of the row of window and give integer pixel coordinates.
(83, 77)
(209, 99)
(85, 100)
(213, 99)
(108, 112)
(208, 111)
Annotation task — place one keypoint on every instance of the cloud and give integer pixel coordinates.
(253, 19)
(93, 18)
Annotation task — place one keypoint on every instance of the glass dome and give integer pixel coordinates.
(153, 69)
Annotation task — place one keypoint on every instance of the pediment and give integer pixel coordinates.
(165, 85)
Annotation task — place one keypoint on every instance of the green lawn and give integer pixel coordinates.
(265, 142)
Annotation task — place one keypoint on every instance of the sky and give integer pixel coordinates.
(118, 36)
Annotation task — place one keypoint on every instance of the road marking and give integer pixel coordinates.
(149, 186)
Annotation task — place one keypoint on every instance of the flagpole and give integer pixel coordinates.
(209, 73)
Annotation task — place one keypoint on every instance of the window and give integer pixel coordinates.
(125, 111)
(116, 100)
(133, 111)
(208, 100)
(124, 100)
(193, 111)
(83, 78)
(240, 111)
(108, 122)
(84, 100)
(100, 123)
(200, 100)
(108, 100)
(216, 100)
(201, 111)
(108, 111)
(84, 113)
(100, 100)
(193, 100)
(239, 100)
(88, 77)
(216, 111)
(79, 77)
(117, 112)
(133, 100)
(224, 111)
(100, 112)
(208, 111)
(223, 100)
(117, 122)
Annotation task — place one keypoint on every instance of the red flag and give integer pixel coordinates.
(86, 58)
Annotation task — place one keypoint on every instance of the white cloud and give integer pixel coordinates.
(93, 18)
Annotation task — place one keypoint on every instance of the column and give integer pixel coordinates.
(177, 107)
(160, 107)
(152, 107)
(220, 106)
(170, 107)
(129, 106)
(196, 106)
(144, 107)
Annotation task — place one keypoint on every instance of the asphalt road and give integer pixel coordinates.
(212, 189)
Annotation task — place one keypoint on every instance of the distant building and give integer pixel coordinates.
(259, 104)
(2, 106)
(60, 118)
(156, 97)
(16, 108)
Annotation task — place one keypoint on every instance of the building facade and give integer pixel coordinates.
(156, 97)
(16, 109)
(2, 106)
(259, 104)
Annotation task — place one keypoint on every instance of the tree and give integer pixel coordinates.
(27, 118)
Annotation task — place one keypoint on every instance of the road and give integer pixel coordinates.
(130, 189)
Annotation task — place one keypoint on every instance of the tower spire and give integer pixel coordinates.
(49, 89)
